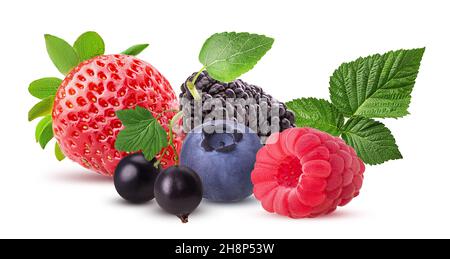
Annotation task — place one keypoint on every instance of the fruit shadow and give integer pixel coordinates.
(153, 207)
(341, 214)
(206, 207)
(337, 215)
(121, 202)
(156, 210)
(81, 177)
(247, 201)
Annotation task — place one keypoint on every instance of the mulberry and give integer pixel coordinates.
(237, 101)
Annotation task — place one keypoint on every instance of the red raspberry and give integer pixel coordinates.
(303, 172)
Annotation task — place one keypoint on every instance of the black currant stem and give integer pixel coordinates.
(171, 124)
(160, 157)
(191, 85)
(184, 218)
(166, 111)
(170, 142)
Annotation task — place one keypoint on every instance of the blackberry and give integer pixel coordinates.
(238, 101)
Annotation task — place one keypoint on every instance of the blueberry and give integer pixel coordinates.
(179, 191)
(223, 153)
(135, 177)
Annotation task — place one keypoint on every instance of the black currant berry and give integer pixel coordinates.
(179, 191)
(135, 177)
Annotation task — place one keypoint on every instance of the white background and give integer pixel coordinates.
(41, 198)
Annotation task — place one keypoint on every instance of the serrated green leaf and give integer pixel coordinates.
(89, 45)
(373, 142)
(228, 55)
(61, 53)
(58, 152)
(41, 126)
(42, 108)
(135, 50)
(44, 87)
(317, 113)
(377, 86)
(46, 135)
(142, 133)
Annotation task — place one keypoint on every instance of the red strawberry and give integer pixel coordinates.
(84, 110)
(84, 119)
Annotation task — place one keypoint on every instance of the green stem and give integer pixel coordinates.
(171, 124)
(166, 111)
(160, 157)
(191, 85)
(170, 142)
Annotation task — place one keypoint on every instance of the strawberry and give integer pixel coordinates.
(83, 107)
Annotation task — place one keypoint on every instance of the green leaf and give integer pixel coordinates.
(377, 86)
(61, 53)
(41, 126)
(135, 50)
(142, 133)
(44, 87)
(317, 113)
(41, 109)
(58, 152)
(46, 135)
(372, 141)
(89, 45)
(228, 55)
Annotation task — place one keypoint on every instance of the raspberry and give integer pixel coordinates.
(303, 172)
(227, 93)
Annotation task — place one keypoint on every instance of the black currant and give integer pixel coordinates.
(179, 191)
(135, 177)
